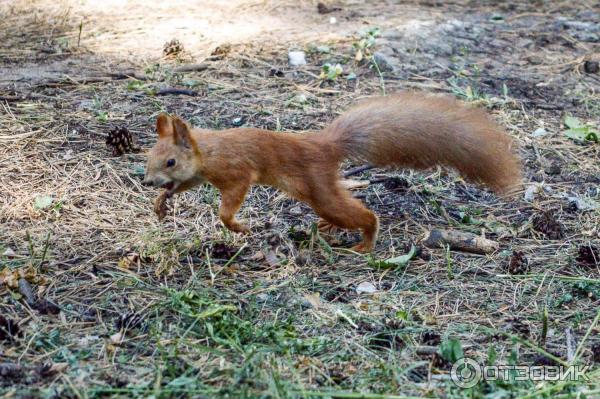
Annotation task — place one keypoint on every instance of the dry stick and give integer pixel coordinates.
(461, 241)
(570, 345)
(67, 80)
(11, 98)
(357, 170)
(126, 75)
(191, 68)
(544, 334)
(173, 91)
(79, 35)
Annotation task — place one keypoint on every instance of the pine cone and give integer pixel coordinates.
(121, 141)
(172, 48)
(547, 223)
(518, 263)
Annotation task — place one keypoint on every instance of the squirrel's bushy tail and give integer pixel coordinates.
(420, 131)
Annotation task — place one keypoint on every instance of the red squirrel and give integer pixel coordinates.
(404, 130)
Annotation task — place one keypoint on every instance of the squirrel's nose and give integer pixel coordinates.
(147, 182)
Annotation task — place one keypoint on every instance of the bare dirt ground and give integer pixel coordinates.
(98, 299)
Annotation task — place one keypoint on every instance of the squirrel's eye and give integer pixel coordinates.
(170, 162)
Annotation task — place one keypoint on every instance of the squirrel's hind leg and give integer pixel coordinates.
(337, 208)
(326, 227)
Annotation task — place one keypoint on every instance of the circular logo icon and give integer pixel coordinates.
(466, 373)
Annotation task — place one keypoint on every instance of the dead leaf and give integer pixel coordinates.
(232, 269)
(257, 256)
(48, 370)
(272, 258)
(129, 261)
(11, 277)
(314, 300)
(116, 338)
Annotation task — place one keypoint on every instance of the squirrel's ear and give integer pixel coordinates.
(164, 127)
(182, 135)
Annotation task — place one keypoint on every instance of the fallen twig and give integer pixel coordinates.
(67, 80)
(11, 98)
(357, 170)
(570, 345)
(460, 241)
(177, 92)
(191, 68)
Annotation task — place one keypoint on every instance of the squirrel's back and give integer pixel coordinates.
(420, 131)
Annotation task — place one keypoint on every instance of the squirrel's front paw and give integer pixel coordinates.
(160, 205)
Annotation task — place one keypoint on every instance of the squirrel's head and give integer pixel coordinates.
(174, 159)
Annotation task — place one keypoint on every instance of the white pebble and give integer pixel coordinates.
(296, 211)
(365, 288)
(296, 58)
(9, 253)
(531, 191)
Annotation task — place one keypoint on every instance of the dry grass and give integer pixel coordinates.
(186, 308)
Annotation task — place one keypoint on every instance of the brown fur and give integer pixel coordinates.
(403, 130)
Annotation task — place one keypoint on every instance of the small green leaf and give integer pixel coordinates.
(216, 310)
(579, 133)
(492, 355)
(592, 136)
(398, 261)
(102, 116)
(42, 202)
(465, 218)
(331, 72)
(402, 315)
(334, 72)
(150, 91)
(571, 122)
(451, 350)
(134, 85)
(402, 260)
